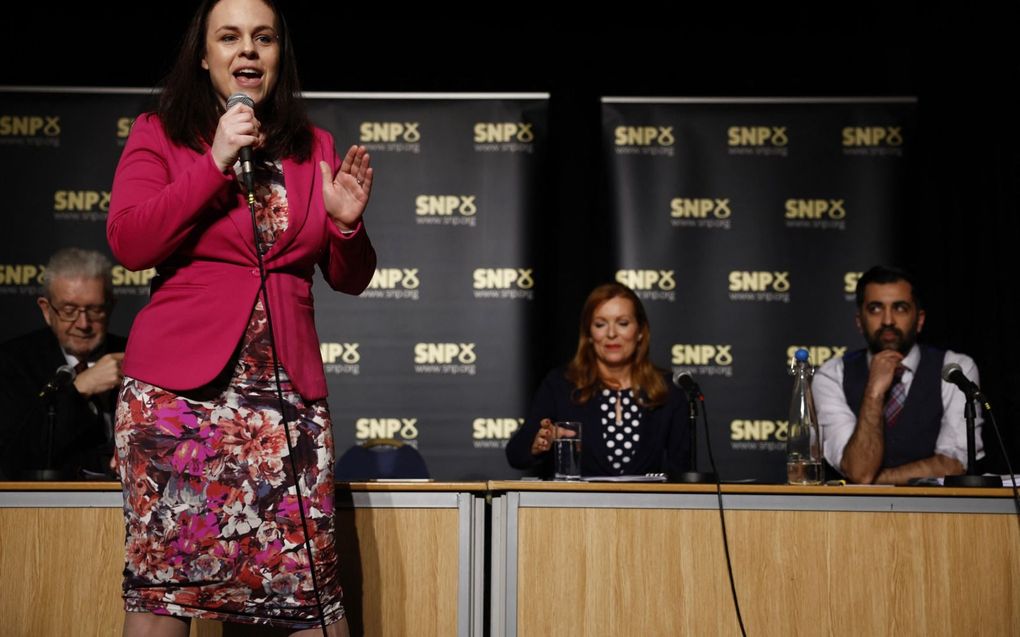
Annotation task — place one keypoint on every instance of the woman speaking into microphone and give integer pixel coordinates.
(223, 433)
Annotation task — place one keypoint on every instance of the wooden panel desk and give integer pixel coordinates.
(411, 560)
(647, 559)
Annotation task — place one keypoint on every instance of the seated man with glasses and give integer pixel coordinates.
(58, 384)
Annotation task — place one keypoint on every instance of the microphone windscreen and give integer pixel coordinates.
(948, 370)
(240, 98)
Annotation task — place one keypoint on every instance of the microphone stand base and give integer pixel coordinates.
(695, 477)
(973, 481)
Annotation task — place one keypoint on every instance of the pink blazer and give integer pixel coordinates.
(173, 209)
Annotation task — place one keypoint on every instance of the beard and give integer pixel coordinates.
(902, 341)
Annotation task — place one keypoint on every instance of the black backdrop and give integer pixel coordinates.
(960, 65)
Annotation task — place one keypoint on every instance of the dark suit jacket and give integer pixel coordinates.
(80, 441)
(664, 445)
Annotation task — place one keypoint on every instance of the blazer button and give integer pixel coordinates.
(254, 272)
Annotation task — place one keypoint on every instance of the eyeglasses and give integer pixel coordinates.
(69, 313)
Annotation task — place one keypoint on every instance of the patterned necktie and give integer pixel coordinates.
(80, 367)
(896, 397)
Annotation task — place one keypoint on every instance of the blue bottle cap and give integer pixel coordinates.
(801, 355)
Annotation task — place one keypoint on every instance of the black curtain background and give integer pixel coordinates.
(960, 60)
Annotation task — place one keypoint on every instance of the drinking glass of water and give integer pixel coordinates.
(567, 450)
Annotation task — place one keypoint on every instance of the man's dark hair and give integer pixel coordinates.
(887, 274)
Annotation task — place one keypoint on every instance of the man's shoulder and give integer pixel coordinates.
(28, 343)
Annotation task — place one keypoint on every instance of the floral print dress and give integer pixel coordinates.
(213, 528)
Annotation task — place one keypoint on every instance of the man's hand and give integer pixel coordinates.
(101, 377)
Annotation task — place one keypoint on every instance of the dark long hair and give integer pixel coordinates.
(645, 380)
(190, 109)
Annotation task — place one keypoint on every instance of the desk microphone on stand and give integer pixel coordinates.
(686, 382)
(953, 373)
(61, 378)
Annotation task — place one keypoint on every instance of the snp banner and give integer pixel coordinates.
(58, 151)
(435, 352)
(743, 226)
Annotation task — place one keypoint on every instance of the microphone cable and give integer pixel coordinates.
(722, 515)
(283, 408)
(1005, 457)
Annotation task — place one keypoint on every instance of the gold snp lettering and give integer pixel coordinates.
(647, 279)
(757, 136)
(445, 353)
(21, 274)
(29, 125)
(346, 352)
(759, 429)
(494, 428)
(390, 132)
(873, 136)
(502, 132)
(684, 354)
(81, 200)
(759, 281)
(372, 428)
(850, 281)
(503, 278)
(643, 135)
(699, 208)
(124, 126)
(445, 205)
(122, 276)
(817, 354)
(389, 278)
(815, 208)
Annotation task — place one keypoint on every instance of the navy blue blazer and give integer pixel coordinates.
(663, 447)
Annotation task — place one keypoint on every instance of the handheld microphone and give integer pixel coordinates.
(953, 373)
(61, 378)
(245, 155)
(686, 382)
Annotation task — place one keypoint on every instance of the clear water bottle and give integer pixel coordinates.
(804, 440)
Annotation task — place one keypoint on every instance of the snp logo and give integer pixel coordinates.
(503, 278)
(122, 277)
(743, 281)
(81, 200)
(871, 136)
(29, 125)
(124, 126)
(699, 208)
(390, 132)
(653, 285)
(503, 132)
(817, 354)
(344, 352)
(21, 274)
(445, 205)
(373, 428)
(644, 136)
(759, 430)
(503, 283)
(495, 428)
(445, 353)
(720, 355)
(816, 209)
(757, 136)
(647, 279)
(850, 284)
(391, 278)
(340, 358)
